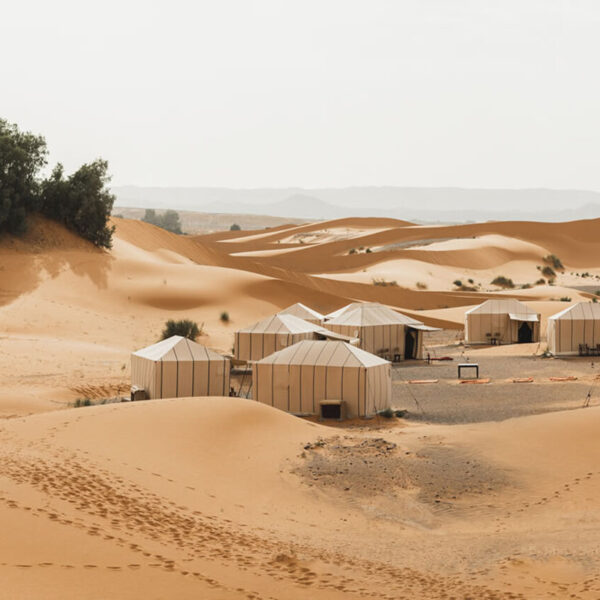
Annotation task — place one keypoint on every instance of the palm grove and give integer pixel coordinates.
(80, 201)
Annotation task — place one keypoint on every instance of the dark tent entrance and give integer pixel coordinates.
(525, 333)
(411, 343)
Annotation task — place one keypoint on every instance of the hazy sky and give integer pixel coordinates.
(311, 93)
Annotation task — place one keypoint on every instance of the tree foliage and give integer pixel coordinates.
(81, 201)
(22, 155)
(169, 220)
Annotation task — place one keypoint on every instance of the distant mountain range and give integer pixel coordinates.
(447, 205)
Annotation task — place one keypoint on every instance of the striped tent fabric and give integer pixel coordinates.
(575, 326)
(501, 319)
(297, 378)
(178, 367)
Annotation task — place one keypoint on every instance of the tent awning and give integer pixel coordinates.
(523, 317)
(424, 327)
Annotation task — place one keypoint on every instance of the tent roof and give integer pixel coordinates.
(280, 323)
(178, 348)
(334, 354)
(371, 313)
(499, 306)
(302, 312)
(339, 311)
(580, 311)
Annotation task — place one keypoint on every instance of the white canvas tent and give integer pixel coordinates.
(275, 333)
(297, 378)
(303, 312)
(505, 321)
(381, 330)
(177, 367)
(577, 325)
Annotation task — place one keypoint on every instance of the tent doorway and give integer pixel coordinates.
(525, 333)
(410, 343)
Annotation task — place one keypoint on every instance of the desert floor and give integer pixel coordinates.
(479, 491)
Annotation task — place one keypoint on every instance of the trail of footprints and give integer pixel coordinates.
(120, 511)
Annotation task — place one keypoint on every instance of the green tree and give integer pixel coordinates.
(22, 155)
(169, 220)
(81, 202)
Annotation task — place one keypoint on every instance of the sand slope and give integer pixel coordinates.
(220, 498)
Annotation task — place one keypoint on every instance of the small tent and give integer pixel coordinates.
(576, 326)
(502, 321)
(177, 367)
(303, 312)
(381, 330)
(297, 378)
(275, 333)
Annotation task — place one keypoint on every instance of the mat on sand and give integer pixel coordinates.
(569, 378)
(487, 380)
(523, 380)
(423, 380)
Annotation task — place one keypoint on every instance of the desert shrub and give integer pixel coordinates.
(554, 262)
(82, 402)
(352, 251)
(548, 272)
(565, 299)
(504, 282)
(471, 281)
(540, 281)
(169, 220)
(457, 283)
(184, 327)
(526, 286)
(387, 413)
(235, 227)
(421, 285)
(224, 316)
(384, 282)
(368, 251)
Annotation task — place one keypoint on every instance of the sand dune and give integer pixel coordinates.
(219, 498)
(55, 285)
(224, 498)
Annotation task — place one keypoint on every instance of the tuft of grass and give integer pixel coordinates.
(224, 317)
(384, 282)
(548, 272)
(82, 402)
(540, 281)
(421, 286)
(565, 299)
(184, 327)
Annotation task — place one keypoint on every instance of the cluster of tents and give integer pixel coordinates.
(300, 358)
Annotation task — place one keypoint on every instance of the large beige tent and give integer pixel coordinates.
(275, 333)
(297, 378)
(502, 321)
(178, 367)
(577, 325)
(381, 330)
(303, 312)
